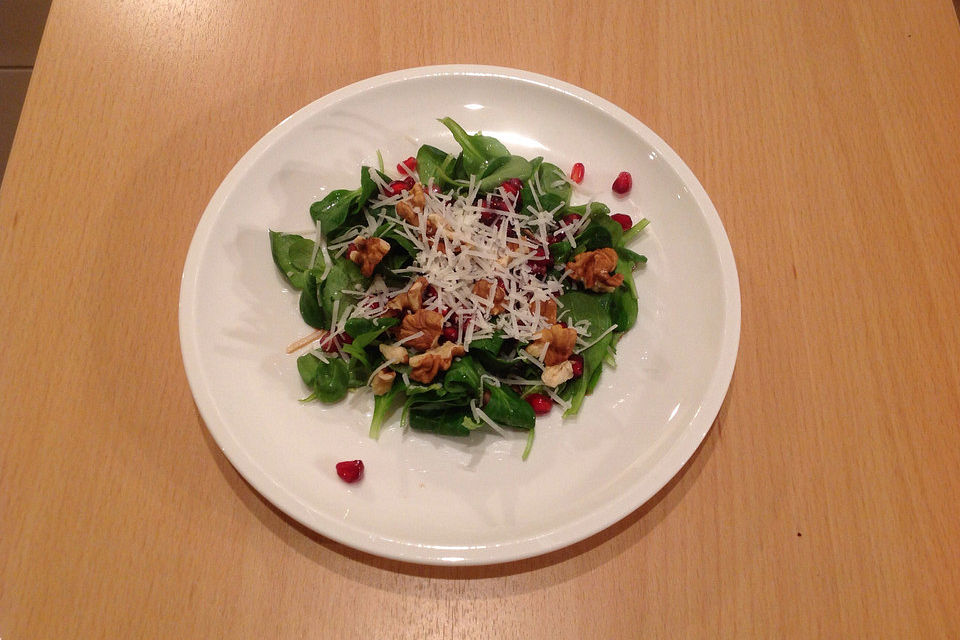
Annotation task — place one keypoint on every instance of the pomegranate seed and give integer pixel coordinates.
(576, 174)
(571, 218)
(577, 361)
(540, 402)
(345, 338)
(350, 470)
(540, 252)
(450, 333)
(408, 182)
(562, 324)
(329, 344)
(623, 219)
(396, 187)
(408, 166)
(350, 249)
(497, 203)
(431, 291)
(540, 267)
(623, 183)
(513, 186)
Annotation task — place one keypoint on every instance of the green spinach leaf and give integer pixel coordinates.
(383, 406)
(478, 149)
(328, 379)
(502, 169)
(292, 253)
(436, 164)
(507, 408)
(443, 418)
(310, 308)
(463, 377)
(332, 211)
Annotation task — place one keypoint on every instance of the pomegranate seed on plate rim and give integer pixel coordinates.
(623, 183)
(350, 470)
(576, 174)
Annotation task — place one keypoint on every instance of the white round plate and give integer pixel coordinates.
(441, 500)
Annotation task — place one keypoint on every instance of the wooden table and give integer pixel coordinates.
(823, 502)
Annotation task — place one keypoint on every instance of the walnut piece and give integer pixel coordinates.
(482, 289)
(409, 208)
(558, 342)
(397, 353)
(594, 269)
(547, 309)
(429, 322)
(409, 300)
(368, 253)
(426, 365)
(382, 381)
(555, 375)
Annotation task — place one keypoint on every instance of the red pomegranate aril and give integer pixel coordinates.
(577, 361)
(396, 187)
(540, 402)
(513, 186)
(488, 217)
(540, 267)
(623, 219)
(345, 338)
(450, 333)
(408, 182)
(350, 470)
(497, 203)
(623, 183)
(408, 166)
(571, 219)
(329, 344)
(350, 249)
(576, 174)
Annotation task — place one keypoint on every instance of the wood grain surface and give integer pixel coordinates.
(823, 502)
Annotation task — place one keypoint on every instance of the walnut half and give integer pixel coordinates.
(595, 269)
(558, 342)
(397, 353)
(429, 322)
(426, 365)
(482, 289)
(555, 375)
(409, 300)
(368, 253)
(382, 381)
(408, 209)
(546, 308)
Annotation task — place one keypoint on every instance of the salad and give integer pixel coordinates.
(467, 290)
